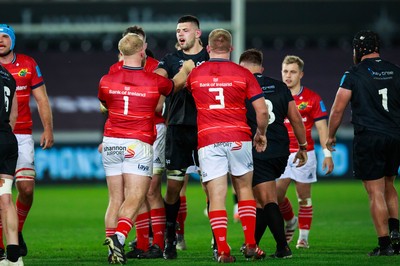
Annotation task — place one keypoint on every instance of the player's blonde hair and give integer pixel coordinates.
(220, 41)
(293, 59)
(130, 44)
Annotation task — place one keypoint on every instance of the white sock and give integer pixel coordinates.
(304, 234)
(121, 238)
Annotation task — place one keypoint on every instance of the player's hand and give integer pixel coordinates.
(100, 148)
(331, 143)
(188, 65)
(328, 165)
(47, 139)
(301, 156)
(260, 142)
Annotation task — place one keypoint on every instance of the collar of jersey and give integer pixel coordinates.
(132, 68)
(218, 60)
(14, 58)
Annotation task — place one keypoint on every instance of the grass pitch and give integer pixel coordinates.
(66, 227)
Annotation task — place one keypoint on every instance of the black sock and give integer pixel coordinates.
(393, 224)
(171, 213)
(261, 225)
(384, 241)
(12, 252)
(276, 224)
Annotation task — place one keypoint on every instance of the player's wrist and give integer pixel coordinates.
(303, 146)
(327, 153)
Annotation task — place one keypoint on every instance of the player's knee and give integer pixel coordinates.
(6, 187)
(25, 175)
(178, 175)
(305, 202)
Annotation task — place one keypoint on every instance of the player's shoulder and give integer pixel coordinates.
(24, 58)
(309, 91)
(270, 82)
(151, 60)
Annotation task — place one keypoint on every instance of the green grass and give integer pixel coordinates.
(66, 227)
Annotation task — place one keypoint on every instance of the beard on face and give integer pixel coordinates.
(188, 44)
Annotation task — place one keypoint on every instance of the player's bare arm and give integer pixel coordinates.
(342, 99)
(161, 72)
(42, 100)
(260, 139)
(322, 129)
(160, 104)
(180, 78)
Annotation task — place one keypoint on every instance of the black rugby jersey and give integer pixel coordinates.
(180, 106)
(7, 90)
(277, 96)
(375, 100)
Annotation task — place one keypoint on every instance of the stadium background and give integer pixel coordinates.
(74, 43)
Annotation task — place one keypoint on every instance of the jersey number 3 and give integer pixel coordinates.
(219, 97)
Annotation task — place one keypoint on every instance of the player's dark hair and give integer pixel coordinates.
(253, 56)
(149, 53)
(189, 18)
(365, 42)
(135, 29)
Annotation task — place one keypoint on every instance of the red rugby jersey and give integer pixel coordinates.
(131, 96)
(28, 77)
(219, 88)
(150, 65)
(312, 109)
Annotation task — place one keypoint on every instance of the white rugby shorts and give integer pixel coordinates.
(305, 174)
(127, 156)
(26, 151)
(220, 158)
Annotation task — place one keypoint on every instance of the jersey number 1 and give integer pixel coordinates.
(126, 104)
(383, 92)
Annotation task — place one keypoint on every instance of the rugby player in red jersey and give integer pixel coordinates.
(219, 88)
(312, 111)
(29, 81)
(154, 209)
(130, 96)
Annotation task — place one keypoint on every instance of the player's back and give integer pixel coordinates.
(219, 88)
(131, 96)
(375, 85)
(277, 96)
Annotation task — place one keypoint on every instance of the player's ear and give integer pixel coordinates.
(198, 33)
(208, 48)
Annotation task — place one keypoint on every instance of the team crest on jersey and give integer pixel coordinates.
(302, 105)
(130, 152)
(23, 72)
(238, 146)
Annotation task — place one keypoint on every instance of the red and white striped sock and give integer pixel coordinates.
(182, 214)
(247, 214)
(219, 225)
(158, 221)
(142, 225)
(286, 209)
